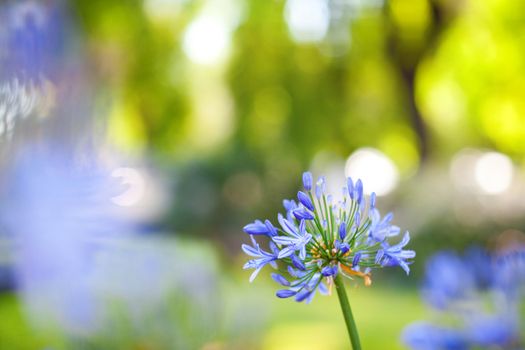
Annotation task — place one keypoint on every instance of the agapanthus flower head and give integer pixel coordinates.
(318, 239)
(478, 296)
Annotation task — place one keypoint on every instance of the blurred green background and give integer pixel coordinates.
(232, 100)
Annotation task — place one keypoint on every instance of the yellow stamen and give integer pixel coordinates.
(368, 280)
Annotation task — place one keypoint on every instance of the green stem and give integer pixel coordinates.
(347, 313)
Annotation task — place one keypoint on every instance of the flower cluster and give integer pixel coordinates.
(478, 298)
(318, 239)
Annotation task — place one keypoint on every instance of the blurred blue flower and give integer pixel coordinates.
(33, 37)
(33, 62)
(82, 266)
(478, 296)
(425, 336)
(318, 239)
(59, 215)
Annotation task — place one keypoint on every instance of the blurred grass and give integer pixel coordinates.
(15, 331)
(381, 312)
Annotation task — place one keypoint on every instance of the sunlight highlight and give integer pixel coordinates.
(373, 167)
(206, 40)
(494, 172)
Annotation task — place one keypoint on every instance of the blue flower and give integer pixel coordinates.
(342, 231)
(259, 228)
(425, 336)
(280, 279)
(478, 311)
(448, 280)
(329, 271)
(290, 206)
(303, 214)
(305, 200)
(297, 239)
(285, 293)
(262, 257)
(318, 239)
(395, 255)
(509, 274)
(381, 229)
(307, 180)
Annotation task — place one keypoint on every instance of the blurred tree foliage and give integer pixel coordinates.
(417, 79)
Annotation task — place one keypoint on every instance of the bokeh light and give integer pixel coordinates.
(206, 41)
(375, 169)
(308, 20)
(494, 172)
(135, 186)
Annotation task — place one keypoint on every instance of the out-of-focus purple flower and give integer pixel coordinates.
(33, 36)
(492, 330)
(425, 336)
(509, 274)
(480, 311)
(321, 239)
(28, 48)
(77, 256)
(58, 215)
(447, 280)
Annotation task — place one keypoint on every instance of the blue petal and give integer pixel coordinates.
(302, 253)
(359, 190)
(289, 204)
(272, 231)
(307, 180)
(329, 271)
(256, 228)
(274, 249)
(344, 248)
(298, 263)
(303, 214)
(305, 200)
(280, 279)
(286, 252)
(251, 251)
(372, 200)
(255, 273)
(285, 293)
(291, 271)
(356, 259)
(283, 240)
(287, 226)
(342, 231)
(302, 295)
(350, 185)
